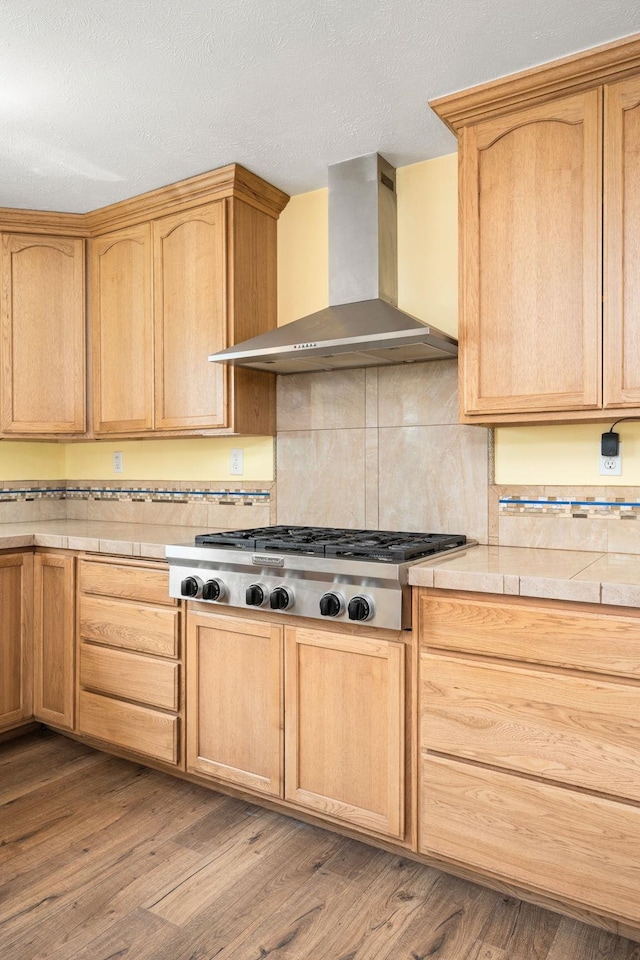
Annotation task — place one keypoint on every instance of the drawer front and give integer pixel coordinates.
(543, 837)
(142, 584)
(571, 728)
(600, 642)
(128, 725)
(154, 630)
(128, 675)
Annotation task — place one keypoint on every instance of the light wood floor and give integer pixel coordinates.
(101, 859)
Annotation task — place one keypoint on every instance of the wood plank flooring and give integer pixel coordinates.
(101, 859)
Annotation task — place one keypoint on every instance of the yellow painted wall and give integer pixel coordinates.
(197, 459)
(565, 455)
(32, 461)
(303, 266)
(428, 241)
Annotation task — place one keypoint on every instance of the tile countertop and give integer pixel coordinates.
(590, 577)
(145, 540)
(587, 576)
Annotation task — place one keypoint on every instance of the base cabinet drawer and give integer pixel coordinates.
(581, 848)
(568, 727)
(146, 680)
(549, 632)
(129, 725)
(142, 628)
(142, 584)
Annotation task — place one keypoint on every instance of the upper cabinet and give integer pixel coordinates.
(549, 164)
(173, 276)
(121, 270)
(42, 335)
(182, 278)
(622, 245)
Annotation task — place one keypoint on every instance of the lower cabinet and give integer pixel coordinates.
(344, 704)
(16, 588)
(130, 670)
(530, 745)
(235, 701)
(53, 639)
(314, 716)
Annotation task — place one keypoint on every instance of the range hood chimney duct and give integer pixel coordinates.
(362, 326)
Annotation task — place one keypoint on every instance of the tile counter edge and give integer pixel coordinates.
(582, 576)
(147, 541)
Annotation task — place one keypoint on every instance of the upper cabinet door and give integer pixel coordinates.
(122, 320)
(530, 259)
(622, 244)
(43, 338)
(190, 280)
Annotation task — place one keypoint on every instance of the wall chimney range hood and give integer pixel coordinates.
(362, 326)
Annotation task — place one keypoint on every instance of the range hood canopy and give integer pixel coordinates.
(362, 326)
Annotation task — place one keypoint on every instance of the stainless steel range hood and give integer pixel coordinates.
(362, 327)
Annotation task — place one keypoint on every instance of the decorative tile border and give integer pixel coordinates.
(147, 493)
(590, 508)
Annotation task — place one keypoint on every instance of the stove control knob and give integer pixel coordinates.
(360, 608)
(212, 590)
(256, 595)
(191, 587)
(281, 598)
(331, 604)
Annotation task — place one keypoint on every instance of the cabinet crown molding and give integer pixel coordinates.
(581, 71)
(233, 180)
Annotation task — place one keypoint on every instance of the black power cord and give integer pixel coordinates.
(610, 441)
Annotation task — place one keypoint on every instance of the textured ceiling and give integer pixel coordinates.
(103, 99)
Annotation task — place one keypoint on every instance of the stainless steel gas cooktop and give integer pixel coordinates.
(337, 574)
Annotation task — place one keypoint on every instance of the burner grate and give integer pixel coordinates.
(382, 545)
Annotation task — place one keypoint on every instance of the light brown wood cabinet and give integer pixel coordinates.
(121, 270)
(530, 746)
(344, 706)
(549, 221)
(54, 639)
(130, 676)
(16, 636)
(235, 701)
(310, 715)
(168, 291)
(42, 322)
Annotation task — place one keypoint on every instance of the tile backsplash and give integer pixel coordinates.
(381, 448)
(184, 503)
(574, 518)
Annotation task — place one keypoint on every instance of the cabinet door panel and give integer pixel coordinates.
(234, 701)
(531, 259)
(575, 846)
(121, 283)
(43, 337)
(622, 244)
(191, 320)
(345, 728)
(54, 640)
(16, 587)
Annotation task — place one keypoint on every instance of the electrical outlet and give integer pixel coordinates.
(117, 462)
(611, 466)
(236, 462)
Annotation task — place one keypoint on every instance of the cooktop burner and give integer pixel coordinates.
(384, 545)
